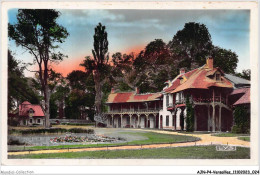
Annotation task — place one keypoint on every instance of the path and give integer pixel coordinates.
(206, 139)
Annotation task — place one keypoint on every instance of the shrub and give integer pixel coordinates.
(51, 130)
(14, 142)
(241, 119)
(189, 116)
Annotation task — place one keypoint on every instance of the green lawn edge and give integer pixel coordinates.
(152, 138)
(192, 152)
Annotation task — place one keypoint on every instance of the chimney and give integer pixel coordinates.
(182, 71)
(112, 90)
(210, 62)
(136, 90)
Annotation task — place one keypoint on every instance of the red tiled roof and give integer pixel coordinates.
(198, 79)
(176, 81)
(239, 91)
(123, 97)
(26, 106)
(245, 99)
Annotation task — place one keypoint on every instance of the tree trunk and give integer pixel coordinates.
(98, 93)
(47, 106)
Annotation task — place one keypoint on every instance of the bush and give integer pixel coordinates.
(189, 116)
(241, 119)
(51, 130)
(14, 142)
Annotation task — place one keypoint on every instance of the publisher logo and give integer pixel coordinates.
(225, 148)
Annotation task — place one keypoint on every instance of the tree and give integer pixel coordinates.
(19, 89)
(246, 74)
(98, 65)
(228, 57)
(82, 94)
(153, 66)
(38, 32)
(191, 45)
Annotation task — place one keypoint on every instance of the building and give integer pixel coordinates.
(132, 109)
(30, 114)
(212, 93)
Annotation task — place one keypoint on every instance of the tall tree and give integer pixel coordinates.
(153, 66)
(191, 45)
(38, 32)
(19, 88)
(98, 65)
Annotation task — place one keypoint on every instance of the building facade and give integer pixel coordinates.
(133, 110)
(30, 114)
(207, 88)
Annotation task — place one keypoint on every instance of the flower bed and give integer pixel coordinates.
(95, 138)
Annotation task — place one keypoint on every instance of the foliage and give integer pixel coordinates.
(81, 95)
(53, 108)
(38, 32)
(246, 74)
(98, 65)
(50, 130)
(189, 116)
(153, 66)
(228, 57)
(241, 119)
(18, 85)
(191, 45)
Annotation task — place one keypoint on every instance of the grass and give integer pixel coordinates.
(152, 138)
(244, 138)
(194, 152)
(229, 134)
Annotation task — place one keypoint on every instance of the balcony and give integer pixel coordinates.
(210, 100)
(133, 111)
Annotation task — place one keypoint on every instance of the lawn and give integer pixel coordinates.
(245, 138)
(229, 134)
(152, 138)
(194, 152)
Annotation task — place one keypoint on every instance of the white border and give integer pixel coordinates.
(252, 6)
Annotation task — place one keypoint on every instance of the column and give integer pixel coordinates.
(195, 120)
(219, 125)
(185, 115)
(178, 126)
(213, 119)
(213, 113)
(146, 120)
(209, 123)
(159, 122)
(138, 123)
(121, 116)
(112, 121)
(130, 120)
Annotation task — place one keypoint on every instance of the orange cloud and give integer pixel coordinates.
(136, 49)
(67, 66)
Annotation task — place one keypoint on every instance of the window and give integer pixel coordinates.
(31, 120)
(218, 77)
(38, 120)
(111, 121)
(167, 100)
(167, 120)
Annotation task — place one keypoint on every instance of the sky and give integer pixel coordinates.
(131, 30)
